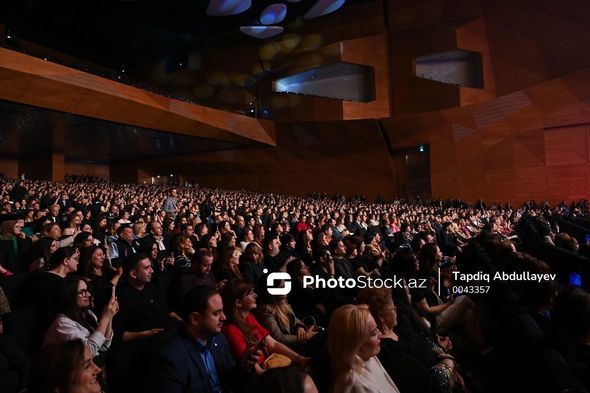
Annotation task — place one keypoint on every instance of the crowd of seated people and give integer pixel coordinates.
(125, 288)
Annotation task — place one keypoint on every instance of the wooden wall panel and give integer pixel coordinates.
(566, 146)
(36, 167)
(9, 168)
(525, 136)
(32, 81)
(83, 168)
(372, 51)
(412, 94)
(473, 37)
(348, 158)
(507, 153)
(58, 166)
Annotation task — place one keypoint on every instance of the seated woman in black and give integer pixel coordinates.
(44, 286)
(306, 301)
(364, 266)
(445, 314)
(46, 249)
(252, 263)
(304, 247)
(100, 276)
(183, 252)
(398, 355)
(325, 268)
(569, 331)
(228, 266)
(14, 247)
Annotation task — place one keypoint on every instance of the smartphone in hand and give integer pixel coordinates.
(259, 345)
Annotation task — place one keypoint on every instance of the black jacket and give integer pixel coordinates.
(179, 367)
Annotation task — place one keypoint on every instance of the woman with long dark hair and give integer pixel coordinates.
(77, 321)
(101, 276)
(242, 330)
(252, 264)
(229, 264)
(14, 247)
(275, 314)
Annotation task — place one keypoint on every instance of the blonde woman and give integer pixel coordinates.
(276, 315)
(353, 345)
(139, 230)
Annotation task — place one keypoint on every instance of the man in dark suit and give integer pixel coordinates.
(125, 244)
(198, 359)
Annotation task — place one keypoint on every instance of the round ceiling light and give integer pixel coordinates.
(323, 7)
(262, 32)
(228, 7)
(273, 14)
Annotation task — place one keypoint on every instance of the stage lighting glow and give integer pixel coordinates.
(203, 91)
(260, 69)
(311, 42)
(228, 7)
(323, 7)
(230, 96)
(262, 32)
(268, 51)
(289, 42)
(218, 78)
(293, 1)
(273, 14)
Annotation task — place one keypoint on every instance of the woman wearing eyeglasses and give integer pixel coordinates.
(77, 321)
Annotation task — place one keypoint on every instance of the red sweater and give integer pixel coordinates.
(237, 341)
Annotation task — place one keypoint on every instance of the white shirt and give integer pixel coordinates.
(65, 329)
(370, 378)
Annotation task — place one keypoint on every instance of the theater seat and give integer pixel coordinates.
(16, 289)
(553, 374)
(562, 262)
(164, 281)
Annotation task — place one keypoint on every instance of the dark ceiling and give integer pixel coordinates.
(156, 42)
(130, 33)
(138, 36)
(26, 130)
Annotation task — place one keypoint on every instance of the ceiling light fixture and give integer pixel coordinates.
(273, 14)
(262, 32)
(228, 7)
(323, 7)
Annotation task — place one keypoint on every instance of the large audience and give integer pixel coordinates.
(145, 288)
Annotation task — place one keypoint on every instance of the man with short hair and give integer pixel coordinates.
(197, 358)
(171, 204)
(141, 327)
(271, 247)
(156, 235)
(198, 274)
(142, 311)
(125, 244)
(54, 214)
(239, 227)
(188, 230)
(342, 265)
